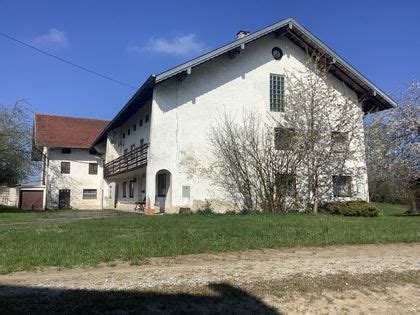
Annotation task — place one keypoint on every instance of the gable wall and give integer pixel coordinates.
(183, 113)
(78, 179)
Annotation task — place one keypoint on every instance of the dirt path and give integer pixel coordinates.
(248, 268)
(239, 267)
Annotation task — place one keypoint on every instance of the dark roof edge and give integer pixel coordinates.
(149, 83)
(290, 22)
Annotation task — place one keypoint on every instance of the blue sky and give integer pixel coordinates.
(129, 40)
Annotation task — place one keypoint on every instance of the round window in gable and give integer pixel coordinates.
(277, 53)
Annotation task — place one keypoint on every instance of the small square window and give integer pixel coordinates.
(186, 191)
(339, 141)
(283, 138)
(93, 168)
(90, 194)
(146, 118)
(66, 150)
(286, 184)
(65, 167)
(342, 186)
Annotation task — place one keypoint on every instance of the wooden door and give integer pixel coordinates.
(31, 199)
(64, 199)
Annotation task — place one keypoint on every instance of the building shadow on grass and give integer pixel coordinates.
(226, 299)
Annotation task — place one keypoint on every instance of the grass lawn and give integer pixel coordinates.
(136, 238)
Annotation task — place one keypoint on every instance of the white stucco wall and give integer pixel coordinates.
(183, 113)
(78, 179)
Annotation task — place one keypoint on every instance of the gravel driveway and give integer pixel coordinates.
(243, 269)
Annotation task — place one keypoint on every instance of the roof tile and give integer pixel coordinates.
(66, 132)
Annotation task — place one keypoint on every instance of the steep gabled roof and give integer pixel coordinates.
(66, 132)
(372, 97)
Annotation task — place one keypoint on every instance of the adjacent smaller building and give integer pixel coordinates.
(72, 171)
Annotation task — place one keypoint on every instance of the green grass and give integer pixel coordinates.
(136, 238)
(19, 216)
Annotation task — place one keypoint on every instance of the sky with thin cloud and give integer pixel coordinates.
(54, 39)
(182, 45)
(130, 40)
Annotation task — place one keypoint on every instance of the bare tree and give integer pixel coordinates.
(327, 127)
(249, 167)
(392, 142)
(318, 136)
(15, 143)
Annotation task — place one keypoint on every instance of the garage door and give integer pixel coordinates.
(31, 199)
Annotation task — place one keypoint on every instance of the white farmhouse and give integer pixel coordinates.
(71, 169)
(156, 150)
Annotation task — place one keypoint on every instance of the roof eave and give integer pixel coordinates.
(149, 83)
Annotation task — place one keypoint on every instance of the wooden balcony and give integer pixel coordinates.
(134, 159)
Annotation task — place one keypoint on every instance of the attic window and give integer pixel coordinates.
(277, 53)
(66, 150)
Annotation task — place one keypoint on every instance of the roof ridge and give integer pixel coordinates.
(71, 117)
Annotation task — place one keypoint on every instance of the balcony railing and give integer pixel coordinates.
(127, 162)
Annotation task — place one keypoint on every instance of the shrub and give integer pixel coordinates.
(246, 212)
(5, 208)
(206, 209)
(350, 208)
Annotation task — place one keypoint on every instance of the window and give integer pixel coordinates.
(186, 191)
(131, 188)
(141, 122)
(286, 184)
(66, 150)
(146, 118)
(277, 53)
(283, 138)
(128, 132)
(124, 189)
(134, 127)
(338, 141)
(342, 186)
(65, 167)
(133, 146)
(93, 168)
(123, 135)
(141, 141)
(89, 193)
(276, 93)
(92, 151)
(161, 183)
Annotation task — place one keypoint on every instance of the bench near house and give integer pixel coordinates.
(157, 147)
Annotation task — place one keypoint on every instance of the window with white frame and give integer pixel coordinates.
(90, 193)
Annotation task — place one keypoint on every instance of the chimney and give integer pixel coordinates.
(242, 34)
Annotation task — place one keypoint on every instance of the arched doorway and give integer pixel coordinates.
(163, 190)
